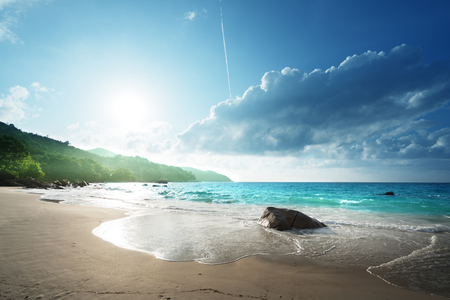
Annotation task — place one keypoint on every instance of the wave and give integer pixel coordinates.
(414, 271)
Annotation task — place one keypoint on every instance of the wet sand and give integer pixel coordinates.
(48, 251)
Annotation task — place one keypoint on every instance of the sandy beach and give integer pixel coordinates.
(48, 251)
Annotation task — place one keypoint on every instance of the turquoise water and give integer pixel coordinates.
(404, 239)
(413, 198)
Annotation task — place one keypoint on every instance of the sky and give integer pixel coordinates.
(324, 91)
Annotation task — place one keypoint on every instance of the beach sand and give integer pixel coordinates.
(48, 251)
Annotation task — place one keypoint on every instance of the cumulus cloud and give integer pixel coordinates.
(372, 105)
(12, 106)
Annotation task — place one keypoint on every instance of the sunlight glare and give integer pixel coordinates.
(128, 106)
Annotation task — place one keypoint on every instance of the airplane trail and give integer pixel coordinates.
(225, 48)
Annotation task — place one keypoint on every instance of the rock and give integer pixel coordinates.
(9, 182)
(64, 182)
(33, 183)
(389, 194)
(79, 183)
(286, 219)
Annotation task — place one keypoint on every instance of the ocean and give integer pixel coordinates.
(403, 239)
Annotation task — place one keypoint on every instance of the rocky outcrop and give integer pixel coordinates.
(28, 183)
(80, 184)
(287, 219)
(38, 184)
(163, 181)
(61, 183)
(389, 194)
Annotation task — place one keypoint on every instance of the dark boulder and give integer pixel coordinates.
(389, 194)
(33, 183)
(61, 183)
(9, 182)
(79, 183)
(286, 219)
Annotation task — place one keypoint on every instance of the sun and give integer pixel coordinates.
(128, 106)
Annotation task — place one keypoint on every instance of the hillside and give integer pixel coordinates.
(102, 152)
(199, 174)
(60, 160)
(40, 145)
(207, 175)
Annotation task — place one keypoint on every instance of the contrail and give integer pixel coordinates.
(225, 48)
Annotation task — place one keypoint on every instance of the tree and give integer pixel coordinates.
(122, 175)
(30, 169)
(12, 151)
(15, 158)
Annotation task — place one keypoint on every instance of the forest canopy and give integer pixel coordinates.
(31, 155)
(15, 159)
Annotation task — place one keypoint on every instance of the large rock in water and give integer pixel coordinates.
(286, 219)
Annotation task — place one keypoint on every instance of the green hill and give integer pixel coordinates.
(207, 175)
(60, 160)
(102, 152)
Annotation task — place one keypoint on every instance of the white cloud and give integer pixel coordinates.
(39, 90)
(12, 107)
(142, 139)
(73, 126)
(3, 3)
(10, 11)
(5, 32)
(159, 147)
(7, 19)
(359, 110)
(190, 15)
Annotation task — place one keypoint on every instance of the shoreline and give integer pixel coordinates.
(48, 250)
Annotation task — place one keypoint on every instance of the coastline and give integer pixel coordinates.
(47, 250)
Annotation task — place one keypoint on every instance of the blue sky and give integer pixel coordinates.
(320, 90)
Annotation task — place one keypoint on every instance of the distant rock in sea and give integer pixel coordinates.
(287, 219)
(389, 194)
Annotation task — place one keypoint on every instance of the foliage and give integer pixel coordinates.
(60, 160)
(122, 175)
(30, 169)
(15, 158)
(12, 151)
(207, 175)
(145, 170)
(102, 152)
(72, 169)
